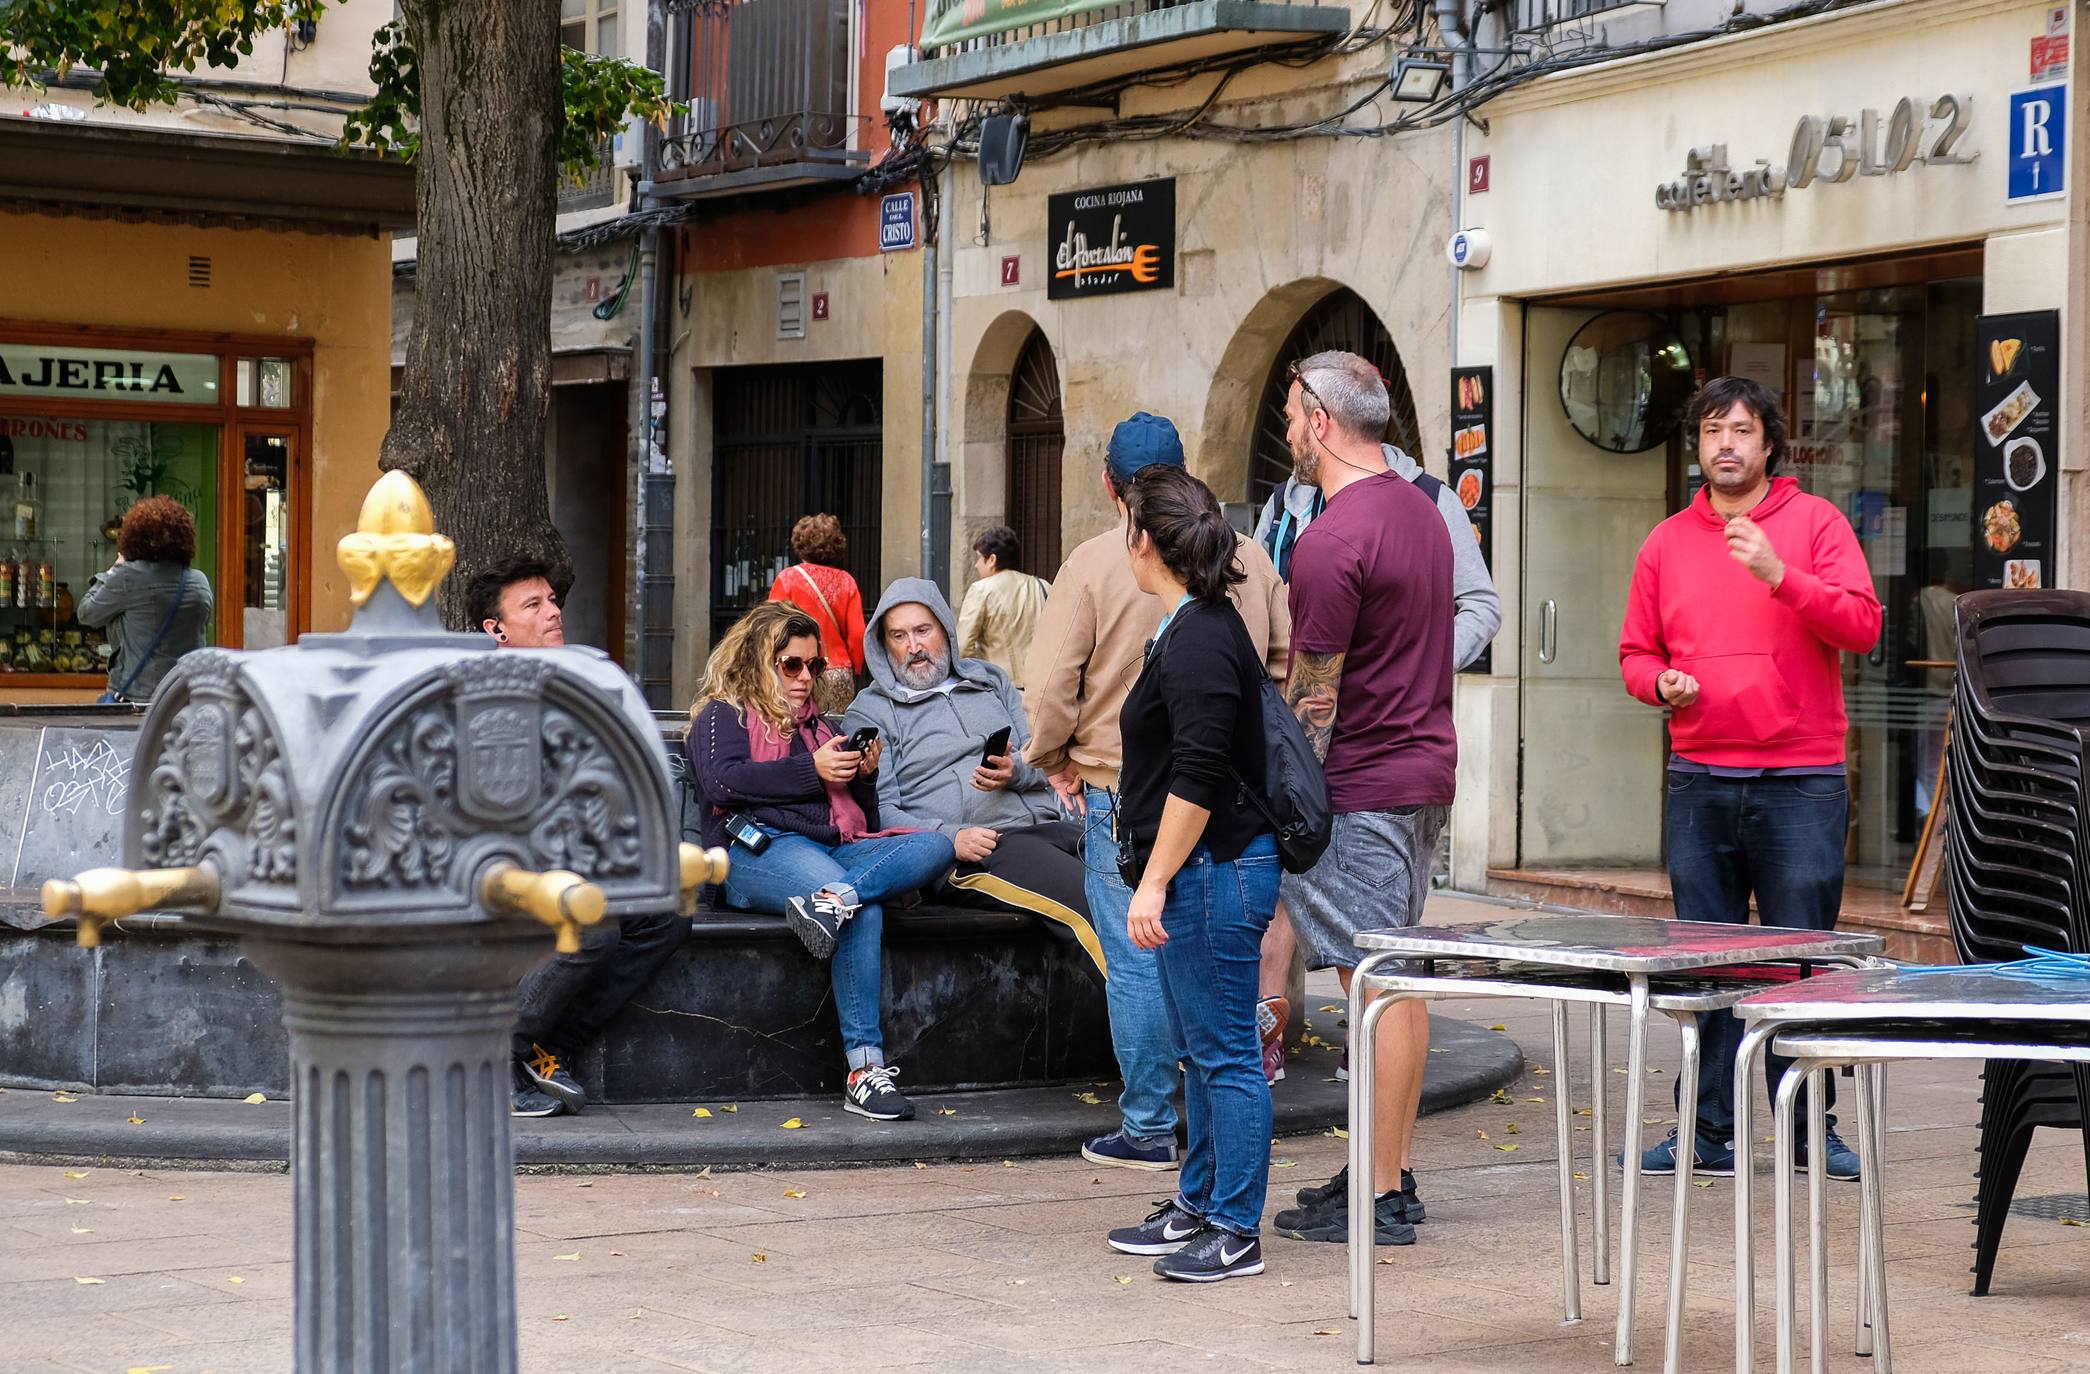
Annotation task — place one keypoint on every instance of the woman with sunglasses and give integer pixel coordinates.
(1203, 867)
(800, 808)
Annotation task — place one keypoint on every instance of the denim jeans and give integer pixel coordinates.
(1215, 919)
(1139, 1029)
(795, 866)
(1780, 838)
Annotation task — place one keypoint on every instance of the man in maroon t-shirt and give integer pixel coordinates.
(1372, 654)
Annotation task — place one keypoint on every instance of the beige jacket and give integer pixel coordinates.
(999, 617)
(1091, 643)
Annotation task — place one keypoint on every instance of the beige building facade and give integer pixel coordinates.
(1643, 228)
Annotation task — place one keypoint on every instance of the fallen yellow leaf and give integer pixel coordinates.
(919, 1165)
(2069, 1221)
(794, 1124)
(1698, 1183)
(234, 1278)
(1284, 1163)
(83, 1230)
(1541, 1073)
(148, 1369)
(1505, 1148)
(729, 1109)
(1498, 1027)
(1581, 1176)
(1008, 1164)
(175, 1197)
(562, 1317)
(616, 1254)
(1331, 1007)
(759, 1258)
(701, 1111)
(574, 1256)
(1125, 1279)
(76, 1202)
(77, 1279)
(1325, 1331)
(946, 1111)
(1338, 1132)
(77, 1173)
(1500, 1097)
(137, 1121)
(705, 1172)
(63, 1097)
(794, 1192)
(255, 1099)
(1539, 1100)
(584, 1184)
(1090, 1098)
(1511, 1129)
(1479, 1134)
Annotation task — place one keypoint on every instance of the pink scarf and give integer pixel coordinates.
(766, 745)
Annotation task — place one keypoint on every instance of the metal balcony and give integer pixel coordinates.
(595, 189)
(1104, 42)
(769, 99)
(1537, 16)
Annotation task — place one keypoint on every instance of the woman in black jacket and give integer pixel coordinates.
(760, 752)
(1203, 868)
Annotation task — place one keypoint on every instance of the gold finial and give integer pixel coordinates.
(395, 538)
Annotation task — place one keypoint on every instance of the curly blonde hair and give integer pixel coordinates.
(742, 669)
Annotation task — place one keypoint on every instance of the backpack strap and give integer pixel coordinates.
(1429, 486)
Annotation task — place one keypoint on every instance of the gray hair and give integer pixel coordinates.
(1350, 390)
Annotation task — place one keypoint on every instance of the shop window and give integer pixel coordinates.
(65, 484)
(264, 382)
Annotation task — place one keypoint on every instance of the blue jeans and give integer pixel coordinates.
(1139, 1030)
(1215, 919)
(795, 866)
(1780, 838)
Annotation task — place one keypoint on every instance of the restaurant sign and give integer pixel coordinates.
(1831, 148)
(108, 374)
(1112, 239)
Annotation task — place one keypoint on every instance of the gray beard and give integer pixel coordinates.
(921, 677)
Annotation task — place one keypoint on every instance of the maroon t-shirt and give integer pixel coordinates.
(1371, 580)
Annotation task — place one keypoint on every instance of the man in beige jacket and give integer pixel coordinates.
(1088, 650)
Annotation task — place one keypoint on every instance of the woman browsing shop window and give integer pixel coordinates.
(152, 606)
(1203, 868)
(799, 806)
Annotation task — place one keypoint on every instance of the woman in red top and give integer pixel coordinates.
(820, 587)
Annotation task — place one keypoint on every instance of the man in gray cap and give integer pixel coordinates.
(1089, 647)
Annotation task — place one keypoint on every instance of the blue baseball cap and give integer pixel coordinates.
(1141, 442)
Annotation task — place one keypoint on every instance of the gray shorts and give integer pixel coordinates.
(1375, 875)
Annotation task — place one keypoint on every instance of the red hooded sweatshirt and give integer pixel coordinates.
(1770, 682)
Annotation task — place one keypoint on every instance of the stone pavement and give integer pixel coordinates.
(1000, 1265)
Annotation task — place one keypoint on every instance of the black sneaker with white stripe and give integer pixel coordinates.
(871, 1093)
(1213, 1254)
(817, 920)
(1167, 1229)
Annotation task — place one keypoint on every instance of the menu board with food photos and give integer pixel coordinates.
(2017, 456)
(1473, 464)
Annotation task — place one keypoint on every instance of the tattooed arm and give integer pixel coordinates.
(1312, 689)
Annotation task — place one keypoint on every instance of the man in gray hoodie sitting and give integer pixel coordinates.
(938, 714)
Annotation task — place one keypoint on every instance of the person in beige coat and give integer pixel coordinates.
(1087, 653)
(1001, 610)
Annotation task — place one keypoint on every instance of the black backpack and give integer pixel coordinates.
(1293, 801)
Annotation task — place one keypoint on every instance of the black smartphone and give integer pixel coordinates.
(742, 830)
(997, 745)
(861, 740)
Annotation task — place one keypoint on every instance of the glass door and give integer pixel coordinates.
(267, 471)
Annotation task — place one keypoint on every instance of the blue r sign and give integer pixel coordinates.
(2038, 150)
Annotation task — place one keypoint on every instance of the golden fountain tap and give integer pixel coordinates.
(110, 894)
(562, 900)
(700, 866)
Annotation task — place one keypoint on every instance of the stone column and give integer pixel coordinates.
(402, 1173)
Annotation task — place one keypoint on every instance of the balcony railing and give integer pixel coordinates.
(1536, 16)
(769, 88)
(595, 189)
(1038, 47)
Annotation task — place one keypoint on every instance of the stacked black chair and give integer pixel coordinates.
(2017, 857)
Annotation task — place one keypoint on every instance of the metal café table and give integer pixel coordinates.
(1636, 950)
(1869, 1018)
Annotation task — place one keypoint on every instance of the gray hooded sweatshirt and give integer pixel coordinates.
(933, 739)
(1479, 613)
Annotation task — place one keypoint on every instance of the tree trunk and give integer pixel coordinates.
(475, 396)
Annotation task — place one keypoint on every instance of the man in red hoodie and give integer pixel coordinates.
(1741, 607)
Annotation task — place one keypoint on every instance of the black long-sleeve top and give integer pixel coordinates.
(786, 794)
(1193, 720)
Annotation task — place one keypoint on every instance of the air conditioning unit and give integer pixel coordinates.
(898, 57)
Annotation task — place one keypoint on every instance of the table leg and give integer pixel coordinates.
(1564, 1123)
(1599, 1148)
(1817, 1220)
(1686, 1157)
(1754, 1039)
(1873, 1190)
(1358, 977)
(1364, 1041)
(1782, 1133)
(1630, 1137)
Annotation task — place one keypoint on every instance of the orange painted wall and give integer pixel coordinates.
(787, 228)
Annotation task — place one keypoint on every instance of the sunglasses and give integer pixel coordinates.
(794, 666)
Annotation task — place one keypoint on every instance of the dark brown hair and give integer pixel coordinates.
(482, 595)
(819, 539)
(159, 529)
(1719, 395)
(999, 543)
(1182, 517)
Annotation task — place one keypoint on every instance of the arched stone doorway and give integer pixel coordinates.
(1037, 432)
(1340, 319)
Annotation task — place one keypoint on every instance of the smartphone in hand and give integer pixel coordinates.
(997, 745)
(861, 740)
